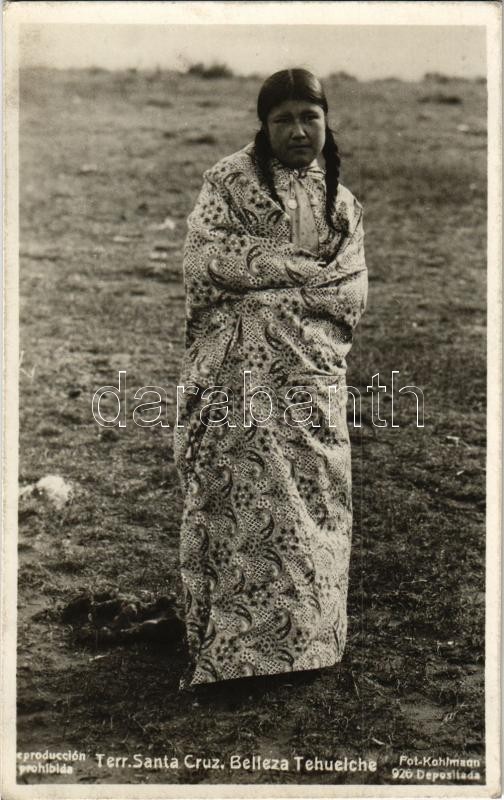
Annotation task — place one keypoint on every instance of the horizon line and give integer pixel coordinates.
(342, 75)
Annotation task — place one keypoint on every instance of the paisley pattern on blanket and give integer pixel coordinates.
(262, 444)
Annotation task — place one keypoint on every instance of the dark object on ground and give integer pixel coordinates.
(158, 102)
(205, 138)
(106, 619)
(77, 608)
(443, 99)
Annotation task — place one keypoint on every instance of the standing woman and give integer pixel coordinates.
(275, 284)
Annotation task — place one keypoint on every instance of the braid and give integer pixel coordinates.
(262, 157)
(332, 159)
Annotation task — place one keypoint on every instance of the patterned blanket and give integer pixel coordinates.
(262, 443)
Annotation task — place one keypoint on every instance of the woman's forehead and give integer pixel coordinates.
(295, 107)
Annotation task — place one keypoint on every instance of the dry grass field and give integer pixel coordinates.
(105, 159)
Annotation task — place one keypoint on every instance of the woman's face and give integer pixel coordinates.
(296, 130)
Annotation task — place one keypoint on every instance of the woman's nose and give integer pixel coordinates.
(298, 132)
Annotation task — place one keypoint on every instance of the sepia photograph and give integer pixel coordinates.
(252, 431)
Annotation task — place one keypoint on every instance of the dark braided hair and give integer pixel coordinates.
(294, 84)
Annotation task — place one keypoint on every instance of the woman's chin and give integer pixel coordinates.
(295, 157)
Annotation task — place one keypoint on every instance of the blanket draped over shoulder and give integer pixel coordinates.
(262, 444)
